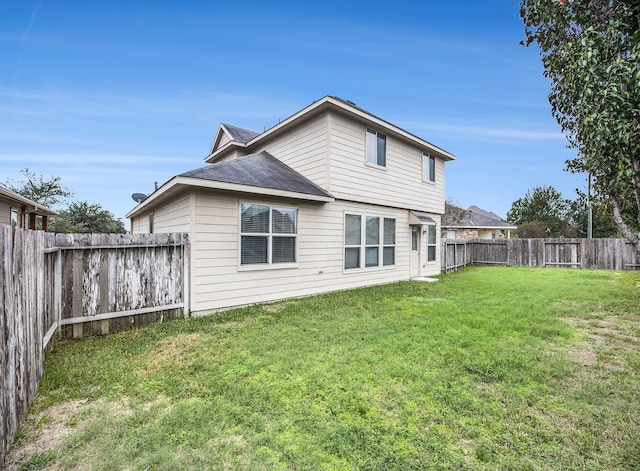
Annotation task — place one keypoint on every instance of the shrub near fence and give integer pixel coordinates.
(604, 254)
(78, 284)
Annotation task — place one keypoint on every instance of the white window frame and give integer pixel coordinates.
(377, 242)
(371, 136)
(428, 168)
(15, 219)
(432, 246)
(270, 236)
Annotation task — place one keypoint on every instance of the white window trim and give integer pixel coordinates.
(363, 246)
(366, 149)
(426, 168)
(435, 244)
(269, 265)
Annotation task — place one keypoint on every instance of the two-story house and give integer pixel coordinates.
(330, 198)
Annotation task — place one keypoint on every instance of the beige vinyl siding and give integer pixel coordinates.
(303, 149)
(219, 282)
(399, 184)
(174, 217)
(140, 224)
(5, 213)
(224, 138)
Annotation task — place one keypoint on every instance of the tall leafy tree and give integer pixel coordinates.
(591, 53)
(83, 217)
(602, 223)
(46, 191)
(542, 212)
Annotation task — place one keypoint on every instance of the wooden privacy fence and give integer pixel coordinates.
(606, 254)
(77, 284)
(104, 283)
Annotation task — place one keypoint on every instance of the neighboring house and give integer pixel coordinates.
(476, 223)
(21, 212)
(330, 198)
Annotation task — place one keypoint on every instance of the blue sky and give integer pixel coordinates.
(114, 96)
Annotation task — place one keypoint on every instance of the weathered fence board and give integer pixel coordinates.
(23, 325)
(82, 285)
(604, 254)
(110, 283)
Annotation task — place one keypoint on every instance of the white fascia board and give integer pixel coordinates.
(329, 101)
(177, 183)
(239, 188)
(32, 206)
(212, 157)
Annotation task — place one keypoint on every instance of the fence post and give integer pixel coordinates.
(186, 281)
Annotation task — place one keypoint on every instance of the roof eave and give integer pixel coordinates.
(479, 227)
(329, 102)
(37, 207)
(182, 182)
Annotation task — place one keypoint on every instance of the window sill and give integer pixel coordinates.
(265, 266)
(376, 166)
(348, 271)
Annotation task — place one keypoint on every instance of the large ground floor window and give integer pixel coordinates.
(369, 241)
(268, 234)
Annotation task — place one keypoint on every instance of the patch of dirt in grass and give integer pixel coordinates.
(603, 334)
(171, 351)
(584, 356)
(46, 431)
(275, 307)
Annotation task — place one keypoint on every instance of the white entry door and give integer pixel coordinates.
(415, 251)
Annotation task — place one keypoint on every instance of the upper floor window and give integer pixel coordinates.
(268, 234)
(428, 168)
(376, 148)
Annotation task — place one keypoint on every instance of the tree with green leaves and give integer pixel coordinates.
(591, 53)
(83, 217)
(453, 214)
(48, 192)
(78, 217)
(602, 222)
(542, 212)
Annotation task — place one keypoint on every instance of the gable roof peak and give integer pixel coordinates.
(239, 134)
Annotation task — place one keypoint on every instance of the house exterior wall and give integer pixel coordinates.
(175, 216)
(218, 281)
(399, 184)
(5, 212)
(8, 205)
(329, 149)
(304, 149)
(223, 139)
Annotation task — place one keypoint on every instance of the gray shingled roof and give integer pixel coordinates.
(477, 217)
(259, 170)
(240, 134)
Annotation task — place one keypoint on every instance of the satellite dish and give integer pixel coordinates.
(139, 197)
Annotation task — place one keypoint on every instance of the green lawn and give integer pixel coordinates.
(489, 368)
